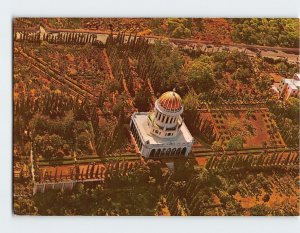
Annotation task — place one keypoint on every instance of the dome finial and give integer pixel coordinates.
(174, 89)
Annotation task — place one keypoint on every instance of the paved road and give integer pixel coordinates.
(291, 54)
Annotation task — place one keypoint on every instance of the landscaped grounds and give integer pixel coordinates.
(78, 81)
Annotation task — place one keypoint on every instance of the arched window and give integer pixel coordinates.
(167, 119)
(135, 133)
(173, 152)
(152, 153)
(157, 153)
(178, 151)
(174, 119)
(168, 153)
(163, 118)
(183, 151)
(131, 127)
(139, 142)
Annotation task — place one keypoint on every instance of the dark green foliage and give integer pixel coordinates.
(267, 31)
(286, 116)
(142, 99)
(260, 210)
(25, 206)
(54, 120)
(200, 76)
(168, 62)
(179, 27)
(242, 75)
(235, 143)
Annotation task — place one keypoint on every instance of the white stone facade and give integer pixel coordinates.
(289, 87)
(162, 133)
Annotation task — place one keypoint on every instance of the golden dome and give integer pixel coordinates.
(170, 101)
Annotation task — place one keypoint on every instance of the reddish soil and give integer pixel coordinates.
(253, 124)
(201, 161)
(261, 123)
(276, 199)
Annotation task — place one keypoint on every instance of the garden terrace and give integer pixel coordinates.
(280, 160)
(275, 189)
(84, 65)
(252, 123)
(122, 52)
(66, 176)
(203, 156)
(131, 66)
(26, 77)
(55, 79)
(82, 171)
(234, 193)
(283, 190)
(87, 159)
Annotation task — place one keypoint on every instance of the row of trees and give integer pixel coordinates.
(159, 63)
(53, 104)
(188, 191)
(250, 161)
(213, 192)
(205, 128)
(125, 58)
(57, 38)
(108, 135)
(111, 174)
(128, 188)
(176, 206)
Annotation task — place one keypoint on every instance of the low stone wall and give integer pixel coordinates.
(42, 187)
(62, 185)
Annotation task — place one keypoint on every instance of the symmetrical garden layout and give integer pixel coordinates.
(73, 98)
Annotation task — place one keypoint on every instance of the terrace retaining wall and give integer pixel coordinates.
(61, 185)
